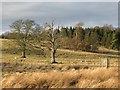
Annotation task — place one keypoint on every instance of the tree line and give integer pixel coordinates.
(27, 33)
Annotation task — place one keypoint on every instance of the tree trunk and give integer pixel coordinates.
(24, 54)
(53, 52)
(76, 35)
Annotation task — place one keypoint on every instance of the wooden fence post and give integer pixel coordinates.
(105, 63)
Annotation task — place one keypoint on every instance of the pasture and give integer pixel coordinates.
(77, 69)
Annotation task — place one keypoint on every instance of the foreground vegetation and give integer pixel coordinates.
(70, 78)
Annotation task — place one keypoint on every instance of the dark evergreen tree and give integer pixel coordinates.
(71, 32)
(64, 32)
(108, 40)
(115, 43)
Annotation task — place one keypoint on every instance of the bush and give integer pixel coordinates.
(74, 44)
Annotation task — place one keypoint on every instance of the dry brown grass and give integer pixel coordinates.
(28, 75)
(83, 78)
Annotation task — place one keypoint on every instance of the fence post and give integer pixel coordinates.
(105, 63)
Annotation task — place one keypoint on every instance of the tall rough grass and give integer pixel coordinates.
(83, 78)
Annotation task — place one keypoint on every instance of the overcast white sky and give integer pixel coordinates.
(64, 13)
(59, 0)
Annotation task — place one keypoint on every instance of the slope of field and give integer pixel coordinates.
(75, 69)
(12, 53)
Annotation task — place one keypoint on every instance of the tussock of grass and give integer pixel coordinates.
(83, 78)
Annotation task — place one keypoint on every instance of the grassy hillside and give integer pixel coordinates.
(11, 51)
(75, 69)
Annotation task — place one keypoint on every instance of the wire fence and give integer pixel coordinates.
(104, 62)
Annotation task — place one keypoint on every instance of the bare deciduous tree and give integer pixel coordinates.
(52, 40)
(23, 30)
(78, 25)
